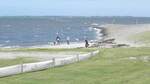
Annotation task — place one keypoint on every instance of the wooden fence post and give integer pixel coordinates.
(91, 54)
(77, 56)
(21, 67)
(54, 62)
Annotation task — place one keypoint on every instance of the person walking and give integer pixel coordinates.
(68, 40)
(86, 43)
(58, 40)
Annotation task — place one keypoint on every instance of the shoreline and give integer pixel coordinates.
(50, 45)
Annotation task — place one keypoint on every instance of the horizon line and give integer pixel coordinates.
(69, 16)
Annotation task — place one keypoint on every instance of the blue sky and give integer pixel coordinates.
(75, 8)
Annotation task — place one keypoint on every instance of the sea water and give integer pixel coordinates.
(32, 31)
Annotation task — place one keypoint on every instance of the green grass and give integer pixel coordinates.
(110, 66)
(19, 60)
(143, 37)
(46, 49)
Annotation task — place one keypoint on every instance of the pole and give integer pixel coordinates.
(54, 62)
(77, 56)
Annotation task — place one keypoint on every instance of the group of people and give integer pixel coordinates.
(58, 40)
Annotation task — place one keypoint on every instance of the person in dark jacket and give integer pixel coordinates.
(58, 40)
(86, 43)
(68, 40)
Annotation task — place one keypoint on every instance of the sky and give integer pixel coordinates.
(75, 8)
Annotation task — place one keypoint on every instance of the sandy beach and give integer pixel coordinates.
(62, 45)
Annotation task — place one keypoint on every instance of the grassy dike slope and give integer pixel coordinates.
(143, 37)
(110, 66)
